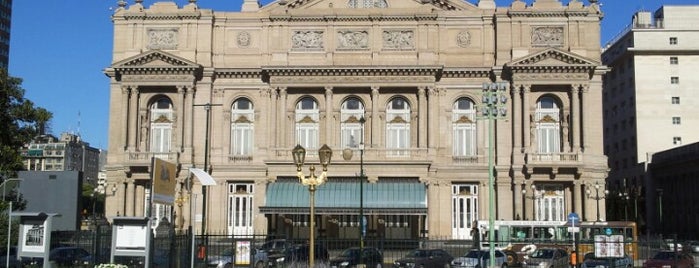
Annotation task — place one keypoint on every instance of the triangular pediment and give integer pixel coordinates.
(553, 57)
(341, 7)
(155, 59)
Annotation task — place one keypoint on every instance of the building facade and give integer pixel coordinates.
(398, 83)
(673, 175)
(5, 23)
(69, 153)
(649, 104)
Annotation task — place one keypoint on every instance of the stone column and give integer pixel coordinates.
(130, 200)
(375, 140)
(528, 207)
(125, 113)
(433, 113)
(518, 116)
(526, 91)
(577, 197)
(583, 130)
(519, 205)
(575, 117)
(329, 137)
(181, 110)
(133, 118)
(189, 123)
(422, 117)
(282, 126)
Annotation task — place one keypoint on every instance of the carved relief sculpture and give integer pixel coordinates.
(463, 39)
(307, 40)
(243, 39)
(547, 36)
(352, 39)
(398, 39)
(162, 38)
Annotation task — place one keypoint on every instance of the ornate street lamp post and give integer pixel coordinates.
(493, 108)
(597, 197)
(312, 181)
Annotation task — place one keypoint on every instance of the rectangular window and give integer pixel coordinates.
(673, 40)
(676, 120)
(674, 60)
(307, 136)
(674, 80)
(398, 138)
(464, 140)
(242, 137)
(677, 140)
(675, 100)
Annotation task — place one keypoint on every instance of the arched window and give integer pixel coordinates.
(307, 127)
(352, 112)
(161, 120)
(548, 126)
(398, 127)
(242, 127)
(464, 128)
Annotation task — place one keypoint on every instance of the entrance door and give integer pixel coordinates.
(464, 210)
(240, 208)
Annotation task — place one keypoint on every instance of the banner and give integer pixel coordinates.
(164, 181)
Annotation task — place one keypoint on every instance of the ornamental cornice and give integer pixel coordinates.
(157, 77)
(431, 71)
(551, 76)
(338, 80)
(162, 16)
(465, 72)
(547, 14)
(368, 18)
(238, 73)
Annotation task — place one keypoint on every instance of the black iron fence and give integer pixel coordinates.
(183, 250)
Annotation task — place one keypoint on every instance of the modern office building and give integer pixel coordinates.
(69, 153)
(396, 83)
(5, 22)
(650, 103)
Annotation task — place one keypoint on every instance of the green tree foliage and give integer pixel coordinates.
(20, 122)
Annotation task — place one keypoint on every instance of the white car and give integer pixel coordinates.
(479, 259)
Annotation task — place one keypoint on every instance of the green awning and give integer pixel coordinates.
(342, 197)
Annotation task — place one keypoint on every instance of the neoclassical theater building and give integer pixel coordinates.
(393, 87)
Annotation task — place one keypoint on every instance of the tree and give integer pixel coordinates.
(20, 122)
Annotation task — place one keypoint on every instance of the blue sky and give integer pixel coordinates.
(59, 49)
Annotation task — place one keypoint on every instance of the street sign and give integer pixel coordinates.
(573, 218)
(573, 229)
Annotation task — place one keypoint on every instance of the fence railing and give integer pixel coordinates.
(180, 250)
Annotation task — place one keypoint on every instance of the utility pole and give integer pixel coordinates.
(207, 107)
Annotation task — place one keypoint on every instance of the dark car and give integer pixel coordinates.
(669, 259)
(226, 259)
(371, 258)
(297, 256)
(65, 257)
(426, 258)
(275, 246)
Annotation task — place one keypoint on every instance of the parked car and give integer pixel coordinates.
(67, 256)
(590, 261)
(297, 256)
(668, 258)
(480, 259)
(670, 244)
(426, 258)
(693, 246)
(226, 259)
(275, 246)
(371, 258)
(547, 258)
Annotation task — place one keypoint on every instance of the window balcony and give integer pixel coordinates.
(554, 160)
(144, 158)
